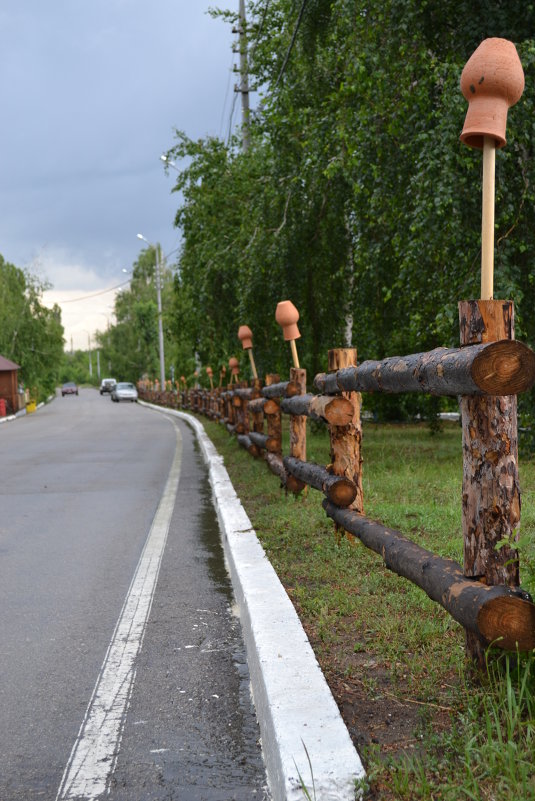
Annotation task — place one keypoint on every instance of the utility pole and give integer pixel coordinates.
(160, 323)
(90, 360)
(243, 88)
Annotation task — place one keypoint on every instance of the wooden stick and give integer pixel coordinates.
(294, 353)
(487, 218)
(253, 365)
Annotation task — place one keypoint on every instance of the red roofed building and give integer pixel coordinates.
(9, 385)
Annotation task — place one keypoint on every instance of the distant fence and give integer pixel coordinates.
(486, 373)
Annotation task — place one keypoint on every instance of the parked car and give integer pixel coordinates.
(124, 391)
(69, 388)
(106, 385)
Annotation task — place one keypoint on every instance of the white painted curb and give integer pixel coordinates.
(294, 705)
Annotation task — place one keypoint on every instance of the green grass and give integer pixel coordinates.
(391, 655)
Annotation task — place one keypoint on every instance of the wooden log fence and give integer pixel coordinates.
(486, 373)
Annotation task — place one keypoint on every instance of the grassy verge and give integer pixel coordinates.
(393, 659)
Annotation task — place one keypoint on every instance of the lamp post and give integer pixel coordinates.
(169, 162)
(89, 349)
(159, 299)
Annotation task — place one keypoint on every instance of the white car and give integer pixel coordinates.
(106, 385)
(124, 391)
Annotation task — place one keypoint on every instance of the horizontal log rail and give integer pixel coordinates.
(338, 489)
(264, 442)
(283, 389)
(246, 442)
(503, 616)
(506, 367)
(334, 410)
(257, 405)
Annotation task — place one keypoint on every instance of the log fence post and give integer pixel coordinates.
(346, 457)
(490, 489)
(257, 416)
(298, 429)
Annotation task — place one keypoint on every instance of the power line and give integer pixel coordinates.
(226, 92)
(95, 294)
(294, 36)
(231, 116)
(260, 27)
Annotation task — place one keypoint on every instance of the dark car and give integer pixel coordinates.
(69, 388)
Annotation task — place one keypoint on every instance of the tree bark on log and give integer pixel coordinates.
(498, 615)
(265, 442)
(339, 489)
(272, 413)
(335, 410)
(346, 440)
(275, 390)
(282, 389)
(245, 442)
(490, 490)
(264, 405)
(488, 368)
(275, 464)
(257, 405)
(257, 415)
(298, 423)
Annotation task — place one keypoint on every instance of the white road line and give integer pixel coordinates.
(94, 754)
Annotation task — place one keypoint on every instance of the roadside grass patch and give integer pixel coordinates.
(394, 659)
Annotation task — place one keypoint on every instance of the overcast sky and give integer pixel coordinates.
(90, 95)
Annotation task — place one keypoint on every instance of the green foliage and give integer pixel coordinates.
(129, 349)
(356, 199)
(31, 335)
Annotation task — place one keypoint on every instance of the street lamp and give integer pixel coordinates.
(168, 162)
(159, 298)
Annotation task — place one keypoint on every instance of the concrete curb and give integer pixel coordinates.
(298, 717)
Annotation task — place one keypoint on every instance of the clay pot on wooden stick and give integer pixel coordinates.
(492, 81)
(234, 368)
(210, 373)
(245, 335)
(287, 316)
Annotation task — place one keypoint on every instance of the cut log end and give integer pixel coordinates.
(294, 484)
(343, 493)
(508, 623)
(505, 364)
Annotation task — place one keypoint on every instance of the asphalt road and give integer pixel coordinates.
(122, 669)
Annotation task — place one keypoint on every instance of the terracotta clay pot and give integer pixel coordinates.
(234, 365)
(287, 316)
(492, 81)
(245, 335)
